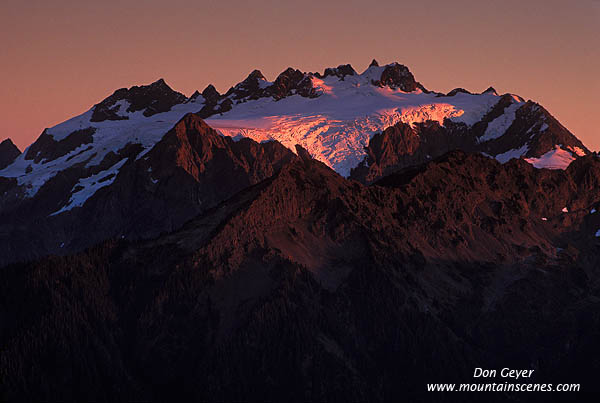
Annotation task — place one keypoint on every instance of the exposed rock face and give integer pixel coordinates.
(213, 102)
(47, 148)
(250, 88)
(210, 94)
(8, 153)
(396, 75)
(255, 86)
(340, 71)
(289, 82)
(311, 287)
(154, 98)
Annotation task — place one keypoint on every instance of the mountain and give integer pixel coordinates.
(102, 174)
(8, 153)
(322, 237)
(308, 286)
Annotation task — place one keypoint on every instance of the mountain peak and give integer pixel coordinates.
(8, 152)
(8, 143)
(152, 99)
(291, 81)
(374, 63)
(251, 88)
(255, 75)
(159, 83)
(340, 71)
(396, 75)
(210, 92)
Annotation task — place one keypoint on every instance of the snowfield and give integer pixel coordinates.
(553, 159)
(336, 127)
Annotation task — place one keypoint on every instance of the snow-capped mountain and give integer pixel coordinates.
(363, 125)
(332, 115)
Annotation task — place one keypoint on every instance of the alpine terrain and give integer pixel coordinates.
(328, 236)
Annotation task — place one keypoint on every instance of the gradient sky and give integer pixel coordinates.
(60, 57)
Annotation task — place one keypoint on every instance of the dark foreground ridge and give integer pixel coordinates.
(305, 286)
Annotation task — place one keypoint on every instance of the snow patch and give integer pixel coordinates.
(500, 125)
(553, 159)
(514, 153)
(87, 187)
(577, 150)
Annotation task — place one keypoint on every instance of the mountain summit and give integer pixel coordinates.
(8, 153)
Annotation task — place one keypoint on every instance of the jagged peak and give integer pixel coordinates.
(8, 142)
(195, 95)
(290, 72)
(192, 120)
(209, 91)
(159, 83)
(490, 90)
(340, 71)
(250, 81)
(374, 63)
(289, 81)
(8, 147)
(8, 152)
(396, 75)
(152, 98)
(255, 75)
(251, 88)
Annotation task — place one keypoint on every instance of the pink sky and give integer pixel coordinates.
(59, 58)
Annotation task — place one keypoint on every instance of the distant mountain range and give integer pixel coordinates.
(321, 237)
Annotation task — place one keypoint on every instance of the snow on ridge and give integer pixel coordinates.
(89, 186)
(556, 158)
(514, 153)
(335, 127)
(497, 127)
(110, 136)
